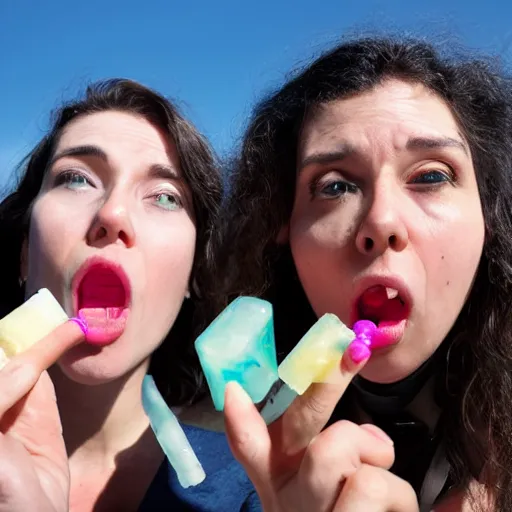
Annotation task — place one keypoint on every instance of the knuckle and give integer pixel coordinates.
(247, 447)
(345, 428)
(332, 447)
(316, 405)
(317, 450)
(369, 482)
(30, 372)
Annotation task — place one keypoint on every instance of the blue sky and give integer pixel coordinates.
(216, 58)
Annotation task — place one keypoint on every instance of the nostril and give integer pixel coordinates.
(368, 244)
(392, 240)
(123, 236)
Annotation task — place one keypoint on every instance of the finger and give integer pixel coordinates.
(374, 489)
(23, 371)
(247, 436)
(337, 453)
(35, 423)
(308, 413)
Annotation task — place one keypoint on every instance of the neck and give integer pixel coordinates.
(103, 420)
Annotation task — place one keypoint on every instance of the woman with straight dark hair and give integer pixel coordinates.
(113, 214)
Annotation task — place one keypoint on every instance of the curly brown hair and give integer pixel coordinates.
(174, 364)
(477, 376)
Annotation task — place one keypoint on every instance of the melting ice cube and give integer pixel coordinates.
(239, 346)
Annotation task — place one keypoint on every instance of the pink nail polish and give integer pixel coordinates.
(359, 351)
(81, 323)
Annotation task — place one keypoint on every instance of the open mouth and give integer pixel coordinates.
(388, 309)
(382, 304)
(101, 293)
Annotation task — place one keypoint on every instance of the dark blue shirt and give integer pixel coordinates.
(226, 488)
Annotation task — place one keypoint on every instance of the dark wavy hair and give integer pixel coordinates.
(477, 376)
(174, 364)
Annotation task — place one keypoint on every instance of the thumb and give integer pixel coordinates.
(247, 434)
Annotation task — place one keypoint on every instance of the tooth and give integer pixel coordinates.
(391, 293)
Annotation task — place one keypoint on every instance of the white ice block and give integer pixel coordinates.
(30, 322)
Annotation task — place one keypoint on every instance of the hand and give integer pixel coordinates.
(34, 472)
(295, 466)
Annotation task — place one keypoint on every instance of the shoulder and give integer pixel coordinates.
(225, 488)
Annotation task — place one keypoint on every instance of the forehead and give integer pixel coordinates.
(118, 132)
(392, 113)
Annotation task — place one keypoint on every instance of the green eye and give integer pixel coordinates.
(72, 179)
(168, 201)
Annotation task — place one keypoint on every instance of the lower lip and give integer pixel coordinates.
(388, 334)
(104, 325)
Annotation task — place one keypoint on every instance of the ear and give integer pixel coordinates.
(283, 235)
(24, 260)
(193, 288)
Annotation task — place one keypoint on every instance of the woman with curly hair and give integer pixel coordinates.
(376, 184)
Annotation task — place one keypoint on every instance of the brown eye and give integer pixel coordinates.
(431, 178)
(333, 189)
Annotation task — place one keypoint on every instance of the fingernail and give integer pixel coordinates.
(379, 433)
(240, 394)
(81, 323)
(359, 352)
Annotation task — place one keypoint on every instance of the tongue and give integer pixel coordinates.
(374, 305)
(375, 296)
(104, 325)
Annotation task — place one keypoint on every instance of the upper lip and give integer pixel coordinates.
(104, 263)
(389, 281)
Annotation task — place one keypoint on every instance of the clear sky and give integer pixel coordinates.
(215, 57)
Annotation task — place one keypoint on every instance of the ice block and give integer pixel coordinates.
(239, 346)
(317, 353)
(170, 435)
(30, 322)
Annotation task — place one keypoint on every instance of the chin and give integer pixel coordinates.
(85, 378)
(391, 365)
(96, 367)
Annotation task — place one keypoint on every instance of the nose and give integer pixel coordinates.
(382, 227)
(112, 223)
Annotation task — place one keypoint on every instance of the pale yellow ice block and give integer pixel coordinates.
(30, 322)
(317, 353)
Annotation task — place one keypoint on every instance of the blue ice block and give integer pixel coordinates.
(170, 436)
(239, 346)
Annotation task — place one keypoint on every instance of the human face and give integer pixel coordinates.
(112, 234)
(387, 202)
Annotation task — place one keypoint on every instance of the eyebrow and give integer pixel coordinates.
(81, 151)
(419, 143)
(160, 171)
(413, 144)
(164, 172)
(328, 157)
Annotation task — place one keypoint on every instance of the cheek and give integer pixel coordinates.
(52, 237)
(453, 255)
(321, 253)
(170, 261)
(318, 240)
